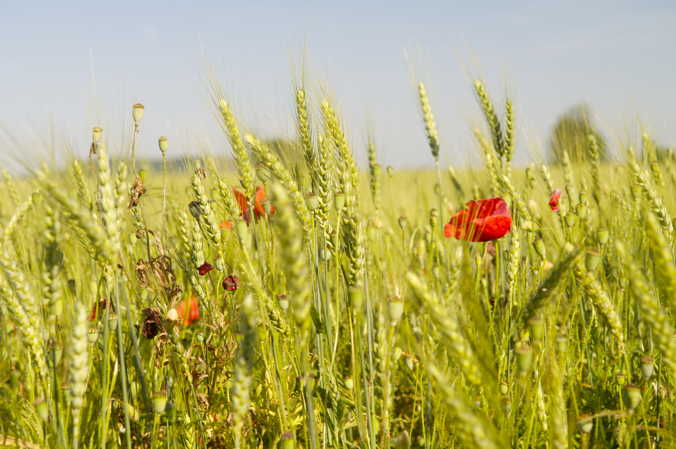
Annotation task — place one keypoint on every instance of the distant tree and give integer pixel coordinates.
(571, 133)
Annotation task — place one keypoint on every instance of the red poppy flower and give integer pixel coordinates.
(481, 221)
(554, 200)
(227, 224)
(258, 206)
(188, 311)
(231, 283)
(205, 268)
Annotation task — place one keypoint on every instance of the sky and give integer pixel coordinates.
(71, 65)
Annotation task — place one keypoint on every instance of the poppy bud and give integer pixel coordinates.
(540, 248)
(585, 423)
(621, 378)
(349, 383)
(164, 144)
(524, 358)
(137, 112)
(604, 235)
(434, 218)
(403, 222)
(647, 366)
(632, 395)
(283, 302)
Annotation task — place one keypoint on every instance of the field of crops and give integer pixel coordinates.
(292, 300)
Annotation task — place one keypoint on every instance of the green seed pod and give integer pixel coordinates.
(592, 260)
(163, 143)
(561, 344)
(647, 366)
(286, 441)
(159, 402)
(42, 409)
(632, 395)
(585, 423)
(524, 358)
(537, 328)
(395, 310)
(356, 298)
(540, 248)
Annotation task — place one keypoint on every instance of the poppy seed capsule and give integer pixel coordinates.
(159, 403)
(632, 395)
(592, 260)
(561, 344)
(163, 143)
(137, 112)
(395, 310)
(537, 328)
(43, 411)
(286, 441)
(524, 358)
(647, 366)
(96, 134)
(585, 423)
(604, 235)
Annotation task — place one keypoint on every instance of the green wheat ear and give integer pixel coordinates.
(428, 120)
(244, 167)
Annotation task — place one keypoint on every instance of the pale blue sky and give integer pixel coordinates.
(70, 65)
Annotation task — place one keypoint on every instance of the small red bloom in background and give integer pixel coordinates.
(98, 308)
(481, 221)
(231, 283)
(258, 206)
(188, 311)
(554, 200)
(205, 268)
(227, 224)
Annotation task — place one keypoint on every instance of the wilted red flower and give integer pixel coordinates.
(205, 268)
(258, 206)
(188, 310)
(152, 323)
(481, 221)
(98, 307)
(231, 283)
(554, 200)
(227, 224)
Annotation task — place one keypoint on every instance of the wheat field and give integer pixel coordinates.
(292, 300)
